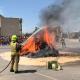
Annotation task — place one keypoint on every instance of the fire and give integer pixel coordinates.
(33, 44)
(49, 38)
(29, 46)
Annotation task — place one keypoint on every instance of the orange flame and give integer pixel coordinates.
(31, 45)
(49, 38)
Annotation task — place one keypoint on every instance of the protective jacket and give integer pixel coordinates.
(13, 48)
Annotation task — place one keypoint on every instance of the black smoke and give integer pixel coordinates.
(52, 13)
(65, 14)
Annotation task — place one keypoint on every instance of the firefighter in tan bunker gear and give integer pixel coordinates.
(14, 54)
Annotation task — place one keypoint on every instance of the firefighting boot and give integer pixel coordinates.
(11, 70)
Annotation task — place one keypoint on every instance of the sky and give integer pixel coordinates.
(28, 10)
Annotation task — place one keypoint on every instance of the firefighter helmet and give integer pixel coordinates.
(14, 38)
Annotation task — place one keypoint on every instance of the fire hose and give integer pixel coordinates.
(10, 62)
(6, 67)
(22, 44)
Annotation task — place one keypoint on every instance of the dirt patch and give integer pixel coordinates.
(40, 61)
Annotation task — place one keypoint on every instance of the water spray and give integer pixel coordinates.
(33, 34)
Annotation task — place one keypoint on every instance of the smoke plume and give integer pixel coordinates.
(65, 14)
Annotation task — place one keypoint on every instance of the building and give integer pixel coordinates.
(10, 26)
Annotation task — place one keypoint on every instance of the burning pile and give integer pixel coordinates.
(44, 39)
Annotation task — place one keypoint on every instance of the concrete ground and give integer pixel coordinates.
(71, 70)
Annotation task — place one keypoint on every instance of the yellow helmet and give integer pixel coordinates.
(14, 38)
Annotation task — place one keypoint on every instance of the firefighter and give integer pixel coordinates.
(63, 43)
(15, 48)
